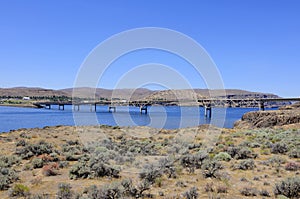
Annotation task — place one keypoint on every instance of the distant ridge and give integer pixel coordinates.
(133, 94)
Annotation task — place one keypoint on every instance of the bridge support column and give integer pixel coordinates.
(111, 108)
(207, 111)
(91, 108)
(48, 106)
(143, 108)
(61, 106)
(261, 105)
(74, 107)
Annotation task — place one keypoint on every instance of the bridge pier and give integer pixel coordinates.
(261, 105)
(48, 106)
(207, 111)
(111, 108)
(143, 108)
(76, 105)
(61, 106)
(91, 107)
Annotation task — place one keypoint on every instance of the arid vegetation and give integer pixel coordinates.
(57, 162)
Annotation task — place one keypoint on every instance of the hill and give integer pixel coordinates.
(140, 93)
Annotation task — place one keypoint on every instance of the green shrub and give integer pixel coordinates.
(211, 168)
(223, 156)
(241, 152)
(64, 191)
(279, 147)
(249, 191)
(193, 161)
(19, 190)
(289, 187)
(8, 161)
(191, 194)
(150, 173)
(264, 193)
(37, 163)
(245, 165)
(7, 176)
(91, 168)
(295, 153)
(31, 150)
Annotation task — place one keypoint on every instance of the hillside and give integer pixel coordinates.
(140, 93)
(28, 91)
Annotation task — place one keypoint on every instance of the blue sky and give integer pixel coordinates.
(255, 44)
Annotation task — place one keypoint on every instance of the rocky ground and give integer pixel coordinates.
(140, 162)
(285, 117)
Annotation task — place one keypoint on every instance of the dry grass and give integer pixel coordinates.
(164, 142)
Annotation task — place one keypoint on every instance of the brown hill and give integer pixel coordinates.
(25, 91)
(134, 94)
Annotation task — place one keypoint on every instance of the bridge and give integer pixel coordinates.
(207, 103)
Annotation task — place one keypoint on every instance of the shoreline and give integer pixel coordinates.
(19, 105)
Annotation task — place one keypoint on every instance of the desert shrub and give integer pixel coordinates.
(245, 165)
(223, 156)
(79, 170)
(150, 173)
(37, 163)
(295, 153)
(279, 147)
(99, 169)
(244, 153)
(289, 187)
(191, 194)
(292, 166)
(19, 190)
(211, 168)
(90, 168)
(193, 161)
(241, 152)
(63, 164)
(249, 191)
(73, 149)
(276, 160)
(21, 143)
(264, 193)
(142, 187)
(256, 178)
(30, 150)
(167, 167)
(64, 191)
(8, 161)
(110, 191)
(7, 176)
(128, 188)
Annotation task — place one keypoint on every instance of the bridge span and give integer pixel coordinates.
(207, 103)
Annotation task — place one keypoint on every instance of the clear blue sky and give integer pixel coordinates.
(254, 43)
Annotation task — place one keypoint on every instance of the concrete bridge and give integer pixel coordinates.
(207, 103)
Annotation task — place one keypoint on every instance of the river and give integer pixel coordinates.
(168, 117)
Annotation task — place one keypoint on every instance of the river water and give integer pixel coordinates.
(168, 117)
